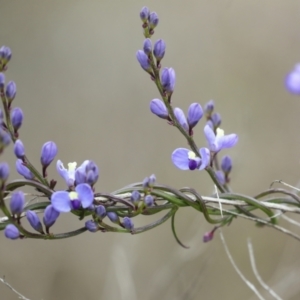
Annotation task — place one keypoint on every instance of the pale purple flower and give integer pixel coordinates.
(17, 117)
(19, 149)
(147, 47)
(11, 90)
(144, 13)
(34, 221)
(17, 203)
(153, 20)
(226, 164)
(50, 216)
(64, 201)
(159, 49)
(185, 159)
(219, 141)
(143, 60)
(48, 153)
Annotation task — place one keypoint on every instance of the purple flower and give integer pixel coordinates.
(113, 217)
(180, 116)
(67, 174)
(153, 20)
(4, 171)
(19, 149)
(17, 202)
(159, 49)
(88, 172)
(127, 223)
(195, 113)
(135, 196)
(17, 117)
(149, 200)
(143, 60)
(209, 107)
(11, 232)
(34, 221)
(147, 46)
(144, 13)
(226, 164)
(292, 80)
(11, 90)
(23, 170)
(185, 159)
(101, 211)
(219, 141)
(48, 153)
(63, 201)
(152, 180)
(159, 108)
(5, 54)
(91, 226)
(168, 79)
(216, 120)
(2, 80)
(50, 216)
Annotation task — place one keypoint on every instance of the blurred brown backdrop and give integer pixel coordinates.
(79, 85)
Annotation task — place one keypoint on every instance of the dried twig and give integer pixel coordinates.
(20, 296)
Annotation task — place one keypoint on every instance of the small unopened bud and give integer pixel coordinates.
(168, 79)
(17, 117)
(34, 221)
(220, 176)
(17, 202)
(113, 217)
(19, 149)
(159, 108)
(147, 46)
(152, 180)
(208, 108)
(144, 14)
(23, 170)
(153, 20)
(195, 113)
(208, 236)
(143, 60)
(159, 50)
(11, 232)
(216, 120)
(4, 171)
(50, 216)
(10, 91)
(92, 173)
(2, 80)
(48, 153)
(226, 164)
(135, 196)
(149, 200)
(91, 226)
(5, 54)
(101, 211)
(180, 116)
(127, 223)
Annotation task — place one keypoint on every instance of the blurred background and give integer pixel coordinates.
(79, 84)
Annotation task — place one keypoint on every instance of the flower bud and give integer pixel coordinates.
(91, 226)
(10, 91)
(5, 54)
(17, 117)
(208, 236)
(195, 113)
(4, 171)
(292, 80)
(168, 79)
(34, 221)
(19, 149)
(23, 170)
(180, 116)
(153, 20)
(92, 173)
(2, 80)
(113, 217)
(208, 108)
(101, 211)
(127, 223)
(17, 202)
(159, 49)
(147, 46)
(216, 120)
(144, 14)
(143, 60)
(226, 164)
(48, 153)
(146, 183)
(5, 138)
(50, 216)
(11, 232)
(149, 200)
(135, 196)
(152, 180)
(159, 108)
